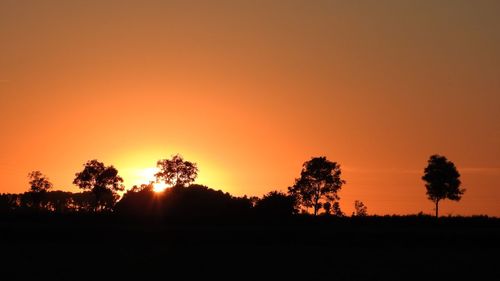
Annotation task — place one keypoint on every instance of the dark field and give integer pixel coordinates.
(305, 248)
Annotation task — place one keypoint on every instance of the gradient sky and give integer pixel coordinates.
(251, 89)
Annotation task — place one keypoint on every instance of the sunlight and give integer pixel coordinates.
(138, 167)
(159, 186)
(147, 175)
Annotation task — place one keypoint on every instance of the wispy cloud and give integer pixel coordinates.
(381, 170)
(479, 170)
(463, 170)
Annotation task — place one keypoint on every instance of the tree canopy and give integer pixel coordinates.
(39, 182)
(176, 171)
(39, 185)
(102, 180)
(360, 209)
(442, 180)
(319, 182)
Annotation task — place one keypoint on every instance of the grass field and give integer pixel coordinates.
(363, 249)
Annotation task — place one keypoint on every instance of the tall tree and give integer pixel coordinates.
(319, 182)
(176, 171)
(103, 181)
(442, 180)
(39, 185)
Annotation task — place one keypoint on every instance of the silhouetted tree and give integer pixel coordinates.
(58, 201)
(319, 181)
(327, 206)
(253, 200)
(276, 204)
(8, 203)
(83, 201)
(139, 202)
(103, 181)
(333, 209)
(176, 171)
(198, 202)
(442, 180)
(39, 185)
(336, 210)
(360, 210)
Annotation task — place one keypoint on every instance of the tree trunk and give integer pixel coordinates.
(437, 209)
(316, 206)
(317, 196)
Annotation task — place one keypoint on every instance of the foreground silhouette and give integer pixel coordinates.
(104, 182)
(193, 203)
(442, 181)
(317, 187)
(193, 231)
(319, 183)
(60, 247)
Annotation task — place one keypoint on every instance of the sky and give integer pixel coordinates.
(250, 90)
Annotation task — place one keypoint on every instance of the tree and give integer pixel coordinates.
(102, 180)
(360, 210)
(83, 201)
(176, 171)
(327, 206)
(336, 210)
(140, 202)
(319, 182)
(200, 203)
(8, 203)
(39, 185)
(58, 201)
(333, 209)
(442, 180)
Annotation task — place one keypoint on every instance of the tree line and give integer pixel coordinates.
(314, 192)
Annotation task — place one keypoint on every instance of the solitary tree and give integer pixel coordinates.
(102, 180)
(442, 180)
(176, 171)
(360, 210)
(319, 182)
(39, 185)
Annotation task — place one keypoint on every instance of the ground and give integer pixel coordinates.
(370, 249)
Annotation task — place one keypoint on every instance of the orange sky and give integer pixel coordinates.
(251, 89)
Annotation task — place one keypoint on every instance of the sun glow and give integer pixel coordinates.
(147, 176)
(159, 186)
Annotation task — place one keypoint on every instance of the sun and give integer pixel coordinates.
(159, 186)
(147, 175)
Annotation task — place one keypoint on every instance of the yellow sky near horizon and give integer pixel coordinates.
(250, 90)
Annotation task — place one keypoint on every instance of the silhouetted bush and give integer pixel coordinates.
(276, 204)
(6, 203)
(179, 203)
(140, 202)
(53, 201)
(198, 202)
